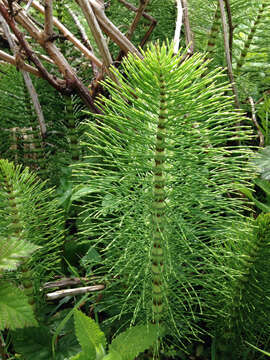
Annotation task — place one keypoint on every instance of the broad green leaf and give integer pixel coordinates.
(13, 252)
(35, 344)
(133, 341)
(15, 311)
(81, 356)
(90, 337)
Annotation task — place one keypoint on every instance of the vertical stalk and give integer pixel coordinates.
(158, 215)
(251, 35)
(228, 53)
(213, 33)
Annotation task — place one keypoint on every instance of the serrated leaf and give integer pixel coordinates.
(13, 252)
(80, 356)
(15, 311)
(133, 341)
(35, 344)
(89, 335)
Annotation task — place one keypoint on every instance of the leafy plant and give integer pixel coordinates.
(165, 167)
(125, 346)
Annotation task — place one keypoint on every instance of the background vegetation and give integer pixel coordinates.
(134, 199)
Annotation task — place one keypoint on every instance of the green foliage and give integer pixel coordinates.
(27, 214)
(125, 346)
(244, 292)
(162, 160)
(15, 311)
(91, 338)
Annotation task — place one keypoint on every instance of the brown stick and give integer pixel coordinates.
(72, 292)
(178, 25)
(69, 36)
(48, 29)
(188, 33)
(229, 15)
(227, 53)
(112, 31)
(255, 122)
(11, 60)
(139, 13)
(56, 83)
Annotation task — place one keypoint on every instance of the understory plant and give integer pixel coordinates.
(125, 346)
(30, 224)
(164, 166)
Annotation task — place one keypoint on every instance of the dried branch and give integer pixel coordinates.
(27, 7)
(84, 36)
(112, 31)
(229, 15)
(153, 23)
(72, 83)
(12, 60)
(56, 83)
(48, 28)
(72, 292)
(139, 13)
(69, 36)
(188, 33)
(227, 52)
(98, 36)
(255, 122)
(178, 25)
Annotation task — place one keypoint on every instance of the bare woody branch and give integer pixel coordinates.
(255, 122)
(58, 84)
(72, 292)
(98, 36)
(112, 31)
(227, 52)
(188, 33)
(178, 25)
(12, 60)
(72, 83)
(48, 18)
(69, 36)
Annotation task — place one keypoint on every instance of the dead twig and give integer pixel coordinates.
(178, 25)
(255, 122)
(188, 33)
(227, 53)
(72, 292)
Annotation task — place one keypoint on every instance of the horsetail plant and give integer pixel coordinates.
(161, 177)
(29, 223)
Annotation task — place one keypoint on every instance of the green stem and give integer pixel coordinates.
(158, 215)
